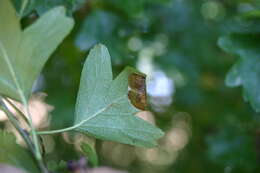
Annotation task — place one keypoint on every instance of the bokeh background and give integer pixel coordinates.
(208, 126)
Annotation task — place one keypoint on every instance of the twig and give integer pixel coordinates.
(24, 135)
(17, 110)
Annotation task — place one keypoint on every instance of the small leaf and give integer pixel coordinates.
(24, 53)
(90, 153)
(103, 108)
(13, 154)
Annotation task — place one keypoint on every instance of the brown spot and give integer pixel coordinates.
(137, 90)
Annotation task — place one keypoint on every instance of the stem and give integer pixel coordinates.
(75, 126)
(23, 133)
(17, 110)
(23, 6)
(79, 124)
(37, 154)
(33, 131)
(56, 131)
(15, 123)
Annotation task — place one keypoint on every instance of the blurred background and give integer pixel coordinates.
(208, 126)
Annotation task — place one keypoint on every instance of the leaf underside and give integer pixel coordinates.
(23, 53)
(103, 109)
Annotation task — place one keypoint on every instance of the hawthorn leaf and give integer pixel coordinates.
(103, 108)
(13, 154)
(246, 71)
(23, 53)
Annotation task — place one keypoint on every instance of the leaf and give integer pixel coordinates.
(91, 31)
(246, 71)
(71, 5)
(24, 53)
(13, 154)
(90, 152)
(44, 5)
(23, 7)
(117, 31)
(103, 109)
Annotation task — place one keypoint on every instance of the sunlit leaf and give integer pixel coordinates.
(23, 53)
(103, 109)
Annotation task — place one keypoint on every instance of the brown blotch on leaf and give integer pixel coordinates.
(137, 90)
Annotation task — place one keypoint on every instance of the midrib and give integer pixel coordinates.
(12, 72)
(98, 112)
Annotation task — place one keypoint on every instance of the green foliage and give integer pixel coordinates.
(177, 38)
(103, 109)
(92, 31)
(233, 145)
(42, 6)
(13, 154)
(114, 36)
(244, 42)
(24, 53)
(129, 7)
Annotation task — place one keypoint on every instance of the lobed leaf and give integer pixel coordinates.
(23, 53)
(246, 71)
(103, 108)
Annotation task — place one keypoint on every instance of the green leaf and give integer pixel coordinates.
(13, 154)
(246, 72)
(44, 5)
(90, 152)
(24, 53)
(103, 109)
(23, 7)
